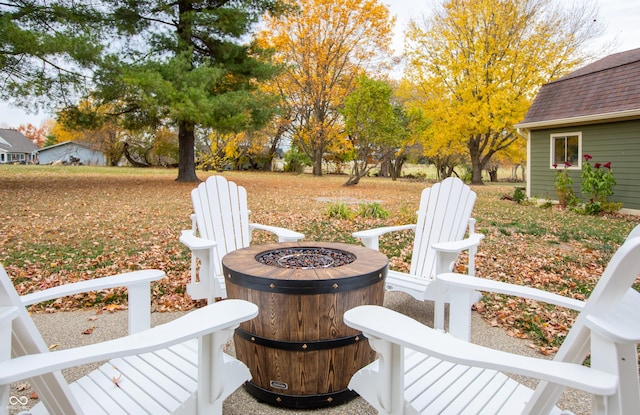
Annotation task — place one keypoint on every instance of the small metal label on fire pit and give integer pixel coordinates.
(306, 258)
(278, 385)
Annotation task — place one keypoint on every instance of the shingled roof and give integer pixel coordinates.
(606, 89)
(13, 141)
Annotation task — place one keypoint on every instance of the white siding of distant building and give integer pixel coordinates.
(64, 152)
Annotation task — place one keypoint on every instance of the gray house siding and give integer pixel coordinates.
(617, 142)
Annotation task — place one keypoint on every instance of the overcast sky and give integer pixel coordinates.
(621, 18)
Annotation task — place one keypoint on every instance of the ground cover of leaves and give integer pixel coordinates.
(63, 224)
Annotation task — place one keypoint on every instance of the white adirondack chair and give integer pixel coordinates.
(444, 216)
(175, 368)
(220, 224)
(421, 370)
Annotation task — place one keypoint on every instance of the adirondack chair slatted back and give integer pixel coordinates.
(222, 214)
(614, 285)
(52, 387)
(443, 215)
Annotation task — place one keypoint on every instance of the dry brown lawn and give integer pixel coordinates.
(60, 224)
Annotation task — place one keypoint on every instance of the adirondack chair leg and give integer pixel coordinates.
(4, 395)
(622, 360)
(599, 405)
(472, 251)
(5, 354)
(390, 385)
(211, 379)
(439, 305)
(194, 268)
(194, 287)
(209, 276)
(5, 334)
(459, 313)
(444, 262)
(471, 264)
(443, 295)
(139, 298)
(4, 400)
(371, 243)
(201, 289)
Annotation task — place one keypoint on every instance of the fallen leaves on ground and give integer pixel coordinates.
(62, 225)
(89, 330)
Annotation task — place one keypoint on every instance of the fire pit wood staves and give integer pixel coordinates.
(299, 351)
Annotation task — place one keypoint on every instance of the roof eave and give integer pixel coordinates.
(56, 145)
(585, 119)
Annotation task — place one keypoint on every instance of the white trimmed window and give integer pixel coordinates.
(566, 148)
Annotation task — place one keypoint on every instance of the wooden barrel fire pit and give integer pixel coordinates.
(299, 351)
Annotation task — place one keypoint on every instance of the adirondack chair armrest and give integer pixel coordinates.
(382, 325)
(194, 243)
(469, 283)
(458, 246)
(620, 325)
(371, 237)
(283, 234)
(218, 317)
(120, 280)
(463, 288)
(138, 290)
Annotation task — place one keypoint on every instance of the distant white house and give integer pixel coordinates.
(16, 148)
(71, 152)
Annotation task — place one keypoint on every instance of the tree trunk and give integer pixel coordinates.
(476, 173)
(186, 153)
(353, 180)
(267, 166)
(445, 171)
(273, 148)
(385, 168)
(317, 162)
(476, 162)
(132, 159)
(186, 129)
(357, 173)
(397, 167)
(493, 174)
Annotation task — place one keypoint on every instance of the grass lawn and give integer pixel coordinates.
(62, 224)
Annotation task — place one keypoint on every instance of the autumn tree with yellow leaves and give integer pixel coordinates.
(477, 65)
(61, 133)
(323, 48)
(90, 123)
(248, 150)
